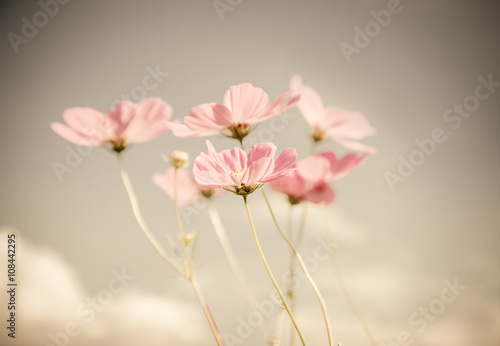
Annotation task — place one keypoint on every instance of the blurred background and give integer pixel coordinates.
(401, 242)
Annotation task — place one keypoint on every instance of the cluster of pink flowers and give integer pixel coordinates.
(308, 180)
(234, 170)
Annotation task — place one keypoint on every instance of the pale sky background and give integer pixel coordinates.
(397, 248)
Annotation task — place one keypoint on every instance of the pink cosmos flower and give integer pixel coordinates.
(328, 166)
(243, 105)
(188, 189)
(343, 126)
(298, 189)
(311, 181)
(126, 123)
(239, 172)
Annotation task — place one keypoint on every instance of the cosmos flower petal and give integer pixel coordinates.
(320, 194)
(123, 124)
(356, 146)
(292, 185)
(339, 168)
(310, 103)
(258, 170)
(182, 131)
(210, 178)
(188, 190)
(276, 107)
(339, 124)
(350, 124)
(208, 118)
(149, 120)
(231, 169)
(73, 136)
(85, 120)
(284, 163)
(314, 169)
(260, 150)
(245, 100)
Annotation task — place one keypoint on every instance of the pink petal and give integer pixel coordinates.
(291, 185)
(72, 136)
(314, 169)
(310, 103)
(350, 124)
(340, 168)
(320, 194)
(261, 150)
(233, 159)
(208, 118)
(284, 164)
(245, 100)
(229, 160)
(181, 130)
(149, 121)
(187, 189)
(275, 107)
(357, 146)
(258, 171)
(86, 121)
(119, 118)
(210, 179)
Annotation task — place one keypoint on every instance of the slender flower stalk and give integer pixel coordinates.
(184, 271)
(340, 279)
(298, 242)
(289, 292)
(140, 220)
(232, 259)
(304, 269)
(278, 327)
(269, 273)
(186, 239)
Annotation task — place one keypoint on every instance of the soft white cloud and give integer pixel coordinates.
(52, 304)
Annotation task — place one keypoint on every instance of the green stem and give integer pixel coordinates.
(304, 269)
(269, 273)
(340, 279)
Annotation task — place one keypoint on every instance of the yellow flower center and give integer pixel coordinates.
(239, 173)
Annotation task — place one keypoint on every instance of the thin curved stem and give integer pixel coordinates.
(189, 268)
(182, 234)
(147, 232)
(300, 234)
(279, 326)
(140, 220)
(304, 269)
(232, 259)
(206, 310)
(269, 273)
(340, 279)
(291, 291)
(279, 318)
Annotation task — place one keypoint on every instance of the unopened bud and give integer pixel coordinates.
(188, 238)
(179, 158)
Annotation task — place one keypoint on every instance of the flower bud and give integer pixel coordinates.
(188, 238)
(179, 158)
